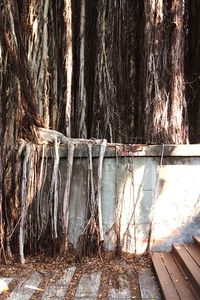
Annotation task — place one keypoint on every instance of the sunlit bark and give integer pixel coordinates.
(164, 91)
(104, 69)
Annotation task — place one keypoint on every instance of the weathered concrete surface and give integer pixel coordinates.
(159, 203)
(26, 288)
(58, 290)
(109, 201)
(149, 288)
(74, 283)
(88, 286)
(122, 292)
(177, 207)
(126, 150)
(78, 200)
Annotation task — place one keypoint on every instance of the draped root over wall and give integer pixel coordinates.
(43, 217)
(126, 84)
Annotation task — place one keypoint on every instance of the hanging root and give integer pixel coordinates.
(23, 203)
(67, 196)
(92, 237)
(98, 200)
(53, 194)
(47, 209)
(40, 188)
(118, 211)
(49, 136)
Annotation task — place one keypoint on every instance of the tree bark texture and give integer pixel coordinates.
(116, 70)
(192, 68)
(165, 109)
(107, 69)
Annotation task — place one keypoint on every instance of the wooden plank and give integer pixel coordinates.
(166, 284)
(149, 288)
(58, 290)
(88, 286)
(123, 292)
(179, 281)
(189, 265)
(197, 240)
(4, 283)
(184, 275)
(194, 252)
(26, 288)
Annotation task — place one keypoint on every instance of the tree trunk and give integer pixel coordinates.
(164, 92)
(192, 67)
(117, 66)
(68, 64)
(36, 88)
(82, 130)
(103, 69)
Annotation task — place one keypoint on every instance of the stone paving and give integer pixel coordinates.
(88, 286)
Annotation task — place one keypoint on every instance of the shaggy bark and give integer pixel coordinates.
(82, 131)
(2, 252)
(28, 88)
(192, 67)
(10, 97)
(116, 70)
(54, 75)
(68, 64)
(164, 91)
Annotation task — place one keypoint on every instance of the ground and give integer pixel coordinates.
(115, 272)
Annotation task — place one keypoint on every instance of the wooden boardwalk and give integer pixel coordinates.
(178, 272)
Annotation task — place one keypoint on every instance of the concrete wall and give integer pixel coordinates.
(157, 188)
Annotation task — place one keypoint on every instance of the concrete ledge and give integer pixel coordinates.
(123, 150)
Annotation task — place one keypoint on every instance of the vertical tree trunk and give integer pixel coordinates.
(68, 64)
(36, 84)
(192, 67)
(80, 67)
(82, 129)
(104, 85)
(2, 253)
(116, 70)
(10, 97)
(164, 92)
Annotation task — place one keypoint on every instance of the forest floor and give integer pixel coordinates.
(118, 276)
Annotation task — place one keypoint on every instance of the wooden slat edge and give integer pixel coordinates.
(167, 287)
